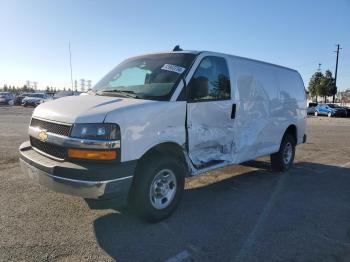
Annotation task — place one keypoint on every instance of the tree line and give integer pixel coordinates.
(16, 89)
(322, 85)
(26, 89)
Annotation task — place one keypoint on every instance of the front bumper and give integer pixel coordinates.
(87, 180)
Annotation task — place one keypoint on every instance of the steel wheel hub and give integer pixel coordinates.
(287, 153)
(163, 189)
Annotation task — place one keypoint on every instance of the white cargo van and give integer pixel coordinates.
(157, 118)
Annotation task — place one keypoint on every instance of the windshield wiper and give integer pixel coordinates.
(126, 93)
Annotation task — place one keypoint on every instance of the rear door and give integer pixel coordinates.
(210, 112)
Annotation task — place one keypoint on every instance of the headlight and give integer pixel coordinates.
(96, 131)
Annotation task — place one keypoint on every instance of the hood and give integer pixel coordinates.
(83, 109)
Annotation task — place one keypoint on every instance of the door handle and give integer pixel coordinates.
(233, 112)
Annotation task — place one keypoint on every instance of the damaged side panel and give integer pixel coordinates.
(210, 132)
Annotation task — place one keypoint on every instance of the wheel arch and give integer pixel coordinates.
(292, 130)
(171, 149)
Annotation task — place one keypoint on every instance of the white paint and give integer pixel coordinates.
(84, 109)
(179, 257)
(268, 99)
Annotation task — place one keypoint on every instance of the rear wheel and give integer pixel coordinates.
(316, 113)
(283, 159)
(329, 114)
(158, 187)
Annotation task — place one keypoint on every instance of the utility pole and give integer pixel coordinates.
(88, 84)
(70, 63)
(319, 67)
(336, 70)
(82, 85)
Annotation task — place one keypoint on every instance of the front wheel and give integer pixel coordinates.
(329, 114)
(158, 187)
(316, 113)
(283, 159)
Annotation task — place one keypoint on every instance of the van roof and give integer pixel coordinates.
(196, 52)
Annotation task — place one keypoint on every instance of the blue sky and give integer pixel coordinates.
(35, 35)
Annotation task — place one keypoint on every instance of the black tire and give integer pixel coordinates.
(279, 159)
(140, 194)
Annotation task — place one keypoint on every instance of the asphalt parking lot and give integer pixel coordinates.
(240, 213)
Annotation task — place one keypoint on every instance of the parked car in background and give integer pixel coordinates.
(330, 110)
(35, 99)
(347, 109)
(311, 108)
(6, 98)
(20, 97)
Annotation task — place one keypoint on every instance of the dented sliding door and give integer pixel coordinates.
(210, 131)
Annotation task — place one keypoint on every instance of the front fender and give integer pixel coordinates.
(145, 126)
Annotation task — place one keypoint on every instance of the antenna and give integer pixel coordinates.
(70, 63)
(177, 48)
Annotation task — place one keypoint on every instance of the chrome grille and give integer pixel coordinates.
(51, 127)
(50, 149)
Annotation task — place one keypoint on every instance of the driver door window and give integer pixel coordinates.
(211, 81)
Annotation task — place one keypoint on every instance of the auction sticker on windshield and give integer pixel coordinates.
(173, 68)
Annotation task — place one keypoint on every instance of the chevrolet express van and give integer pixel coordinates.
(157, 118)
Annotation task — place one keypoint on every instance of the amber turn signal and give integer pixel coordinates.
(92, 154)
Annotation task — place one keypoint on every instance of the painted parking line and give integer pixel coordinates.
(324, 170)
(345, 165)
(179, 257)
(190, 246)
(250, 241)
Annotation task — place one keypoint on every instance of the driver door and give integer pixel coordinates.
(210, 113)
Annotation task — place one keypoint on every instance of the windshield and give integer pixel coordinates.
(149, 77)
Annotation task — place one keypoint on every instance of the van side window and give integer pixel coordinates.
(211, 81)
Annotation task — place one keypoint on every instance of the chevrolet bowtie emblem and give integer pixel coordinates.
(42, 136)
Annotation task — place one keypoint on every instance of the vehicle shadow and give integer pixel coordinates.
(254, 216)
